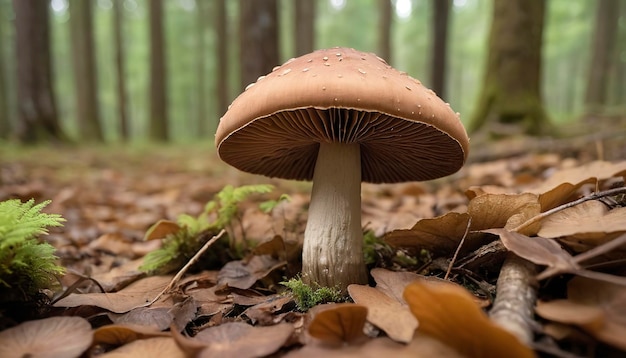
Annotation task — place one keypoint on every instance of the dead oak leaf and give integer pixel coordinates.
(151, 347)
(132, 296)
(243, 275)
(237, 339)
(421, 346)
(595, 306)
(449, 314)
(538, 250)
(385, 312)
(584, 225)
(50, 337)
(337, 324)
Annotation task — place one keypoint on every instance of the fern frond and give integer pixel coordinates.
(26, 264)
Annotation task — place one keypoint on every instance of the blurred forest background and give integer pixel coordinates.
(118, 70)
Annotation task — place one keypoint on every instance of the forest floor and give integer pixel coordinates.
(434, 250)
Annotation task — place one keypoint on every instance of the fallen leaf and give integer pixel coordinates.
(421, 346)
(337, 324)
(385, 312)
(449, 314)
(120, 334)
(585, 225)
(243, 275)
(491, 211)
(49, 337)
(393, 283)
(440, 235)
(134, 295)
(560, 186)
(151, 347)
(538, 250)
(595, 306)
(238, 339)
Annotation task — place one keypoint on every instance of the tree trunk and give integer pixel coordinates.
(384, 31)
(37, 114)
(122, 102)
(85, 76)
(441, 14)
(158, 76)
(201, 97)
(5, 123)
(305, 26)
(221, 32)
(602, 47)
(258, 32)
(510, 98)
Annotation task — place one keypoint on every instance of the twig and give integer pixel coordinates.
(458, 248)
(182, 271)
(515, 297)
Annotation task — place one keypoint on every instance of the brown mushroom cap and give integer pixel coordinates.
(405, 131)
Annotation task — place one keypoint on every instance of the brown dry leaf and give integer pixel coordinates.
(586, 224)
(151, 347)
(237, 339)
(120, 334)
(336, 324)
(449, 314)
(113, 243)
(492, 211)
(161, 229)
(595, 306)
(134, 295)
(440, 235)
(563, 184)
(393, 283)
(50, 337)
(385, 312)
(421, 346)
(120, 276)
(538, 250)
(264, 313)
(243, 275)
(590, 172)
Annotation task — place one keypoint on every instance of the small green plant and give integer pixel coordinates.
(307, 297)
(27, 264)
(180, 244)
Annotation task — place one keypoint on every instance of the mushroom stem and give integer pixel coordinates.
(332, 255)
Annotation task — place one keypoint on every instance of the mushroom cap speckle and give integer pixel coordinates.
(406, 132)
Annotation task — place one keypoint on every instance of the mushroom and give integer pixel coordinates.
(339, 117)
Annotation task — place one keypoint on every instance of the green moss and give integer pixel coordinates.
(27, 264)
(307, 297)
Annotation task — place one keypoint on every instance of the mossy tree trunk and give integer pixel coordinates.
(511, 95)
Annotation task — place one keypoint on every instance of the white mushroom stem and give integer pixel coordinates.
(332, 254)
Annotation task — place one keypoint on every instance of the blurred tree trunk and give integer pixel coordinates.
(305, 26)
(385, 13)
(5, 123)
(85, 76)
(441, 14)
(37, 114)
(221, 32)
(258, 32)
(122, 102)
(201, 98)
(602, 48)
(158, 125)
(510, 99)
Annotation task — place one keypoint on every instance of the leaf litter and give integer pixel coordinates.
(461, 227)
